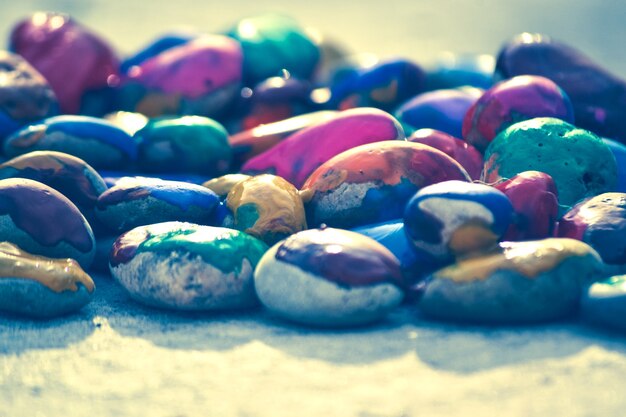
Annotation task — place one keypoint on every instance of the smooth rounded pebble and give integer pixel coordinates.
(44, 222)
(329, 277)
(184, 266)
(41, 287)
(523, 282)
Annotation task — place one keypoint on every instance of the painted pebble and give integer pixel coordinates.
(604, 303)
(40, 287)
(266, 207)
(275, 99)
(600, 222)
(44, 222)
(534, 198)
(75, 61)
(185, 266)
(415, 263)
(524, 282)
(158, 45)
(383, 86)
(67, 174)
(580, 164)
(192, 144)
(272, 43)
(329, 277)
(138, 201)
(457, 70)
(519, 98)
(255, 141)
(372, 183)
(25, 95)
(456, 218)
(127, 121)
(597, 96)
(199, 77)
(222, 185)
(619, 152)
(99, 143)
(459, 150)
(443, 110)
(296, 157)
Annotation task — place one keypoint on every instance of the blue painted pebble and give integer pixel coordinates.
(99, 143)
(329, 277)
(454, 218)
(185, 266)
(138, 201)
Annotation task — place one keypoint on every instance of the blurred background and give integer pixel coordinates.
(420, 30)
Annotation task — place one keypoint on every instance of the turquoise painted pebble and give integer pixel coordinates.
(454, 218)
(329, 277)
(522, 282)
(99, 143)
(580, 164)
(44, 222)
(604, 303)
(185, 266)
(41, 287)
(190, 144)
(138, 201)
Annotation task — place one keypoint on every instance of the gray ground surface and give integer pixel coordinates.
(116, 358)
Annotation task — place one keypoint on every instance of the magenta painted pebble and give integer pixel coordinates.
(44, 222)
(75, 61)
(459, 150)
(296, 157)
(511, 101)
(200, 77)
(534, 198)
(372, 183)
(329, 277)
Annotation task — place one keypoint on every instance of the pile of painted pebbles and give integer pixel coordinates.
(263, 168)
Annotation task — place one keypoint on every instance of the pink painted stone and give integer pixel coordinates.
(193, 69)
(296, 157)
(514, 100)
(73, 59)
(534, 198)
(465, 154)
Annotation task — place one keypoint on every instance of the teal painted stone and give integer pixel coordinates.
(604, 303)
(580, 164)
(271, 43)
(185, 266)
(190, 144)
(522, 282)
(41, 287)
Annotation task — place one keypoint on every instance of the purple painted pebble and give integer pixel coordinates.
(329, 277)
(42, 221)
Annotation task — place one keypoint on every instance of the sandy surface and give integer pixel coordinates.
(116, 358)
